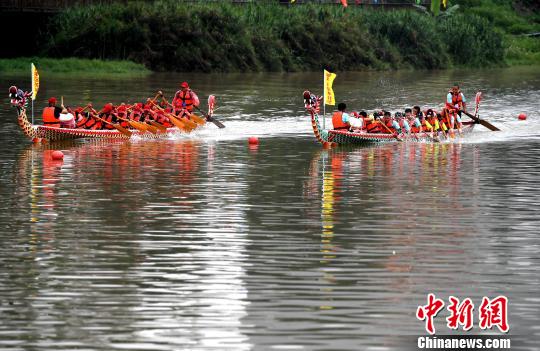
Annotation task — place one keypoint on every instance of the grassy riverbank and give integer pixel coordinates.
(72, 65)
(514, 20)
(223, 37)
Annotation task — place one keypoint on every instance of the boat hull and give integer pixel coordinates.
(56, 134)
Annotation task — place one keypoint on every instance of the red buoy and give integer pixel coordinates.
(36, 140)
(522, 117)
(57, 155)
(253, 140)
(326, 145)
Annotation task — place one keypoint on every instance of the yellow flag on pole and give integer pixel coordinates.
(35, 81)
(329, 98)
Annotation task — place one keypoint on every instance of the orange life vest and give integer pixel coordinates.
(184, 100)
(456, 100)
(373, 127)
(337, 121)
(48, 117)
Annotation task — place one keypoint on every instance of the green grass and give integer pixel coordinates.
(512, 24)
(71, 65)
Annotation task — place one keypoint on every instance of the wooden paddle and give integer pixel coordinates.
(209, 117)
(482, 122)
(183, 124)
(118, 127)
(137, 125)
(389, 131)
(477, 119)
(158, 125)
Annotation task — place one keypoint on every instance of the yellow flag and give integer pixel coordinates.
(35, 81)
(444, 3)
(329, 98)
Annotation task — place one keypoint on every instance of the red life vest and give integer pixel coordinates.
(456, 100)
(337, 121)
(373, 127)
(49, 119)
(184, 100)
(108, 118)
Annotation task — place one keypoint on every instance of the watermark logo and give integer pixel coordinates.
(492, 313)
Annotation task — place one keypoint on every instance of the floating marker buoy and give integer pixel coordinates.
(36, 140)
(326, 145)
(57, 155)
(522, 117)
(253, 140)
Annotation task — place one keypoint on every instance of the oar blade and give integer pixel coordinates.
(123, 130)
(216, 122)
(488, 125)
(158, 126)
(150, 128)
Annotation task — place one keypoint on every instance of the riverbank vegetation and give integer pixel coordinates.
(72, 65)
(225, 37)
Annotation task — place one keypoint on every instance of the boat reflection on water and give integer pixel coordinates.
(387, 209)
(140, 208)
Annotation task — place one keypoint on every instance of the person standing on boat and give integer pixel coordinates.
(341, 120)
(51, 114)
(184, 101)
(455, 103)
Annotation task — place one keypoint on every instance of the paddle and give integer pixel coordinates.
(198, 120)
(117, 126)
(389, 131)
(209, 117)
(179, 124)
(475, 116)
(158, 125)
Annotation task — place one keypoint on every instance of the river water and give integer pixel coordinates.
(203, 242)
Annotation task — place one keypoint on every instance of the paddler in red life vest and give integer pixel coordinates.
(455, 102)
(51, 114)
(342, 121)
(184, 101)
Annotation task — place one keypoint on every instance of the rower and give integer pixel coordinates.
(51, 114)
(342, 121)
(455, 103)
(107, 113)
(184, 101)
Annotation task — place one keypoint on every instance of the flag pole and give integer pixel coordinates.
(32, 82)
(324, 101)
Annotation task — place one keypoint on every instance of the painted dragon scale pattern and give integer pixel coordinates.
(55, 134)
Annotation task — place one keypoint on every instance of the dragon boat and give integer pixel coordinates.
(34, 131)
(347, 137)
(344, 137)
(43, 132)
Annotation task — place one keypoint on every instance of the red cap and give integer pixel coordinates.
(13, 89)
(52, 100)
(108, 107)
(307, 94)
(184, 85)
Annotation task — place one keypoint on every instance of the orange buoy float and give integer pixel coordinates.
(522, 116)
(57, 155)
(253, 141)
(36, 140)
(326, 145)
